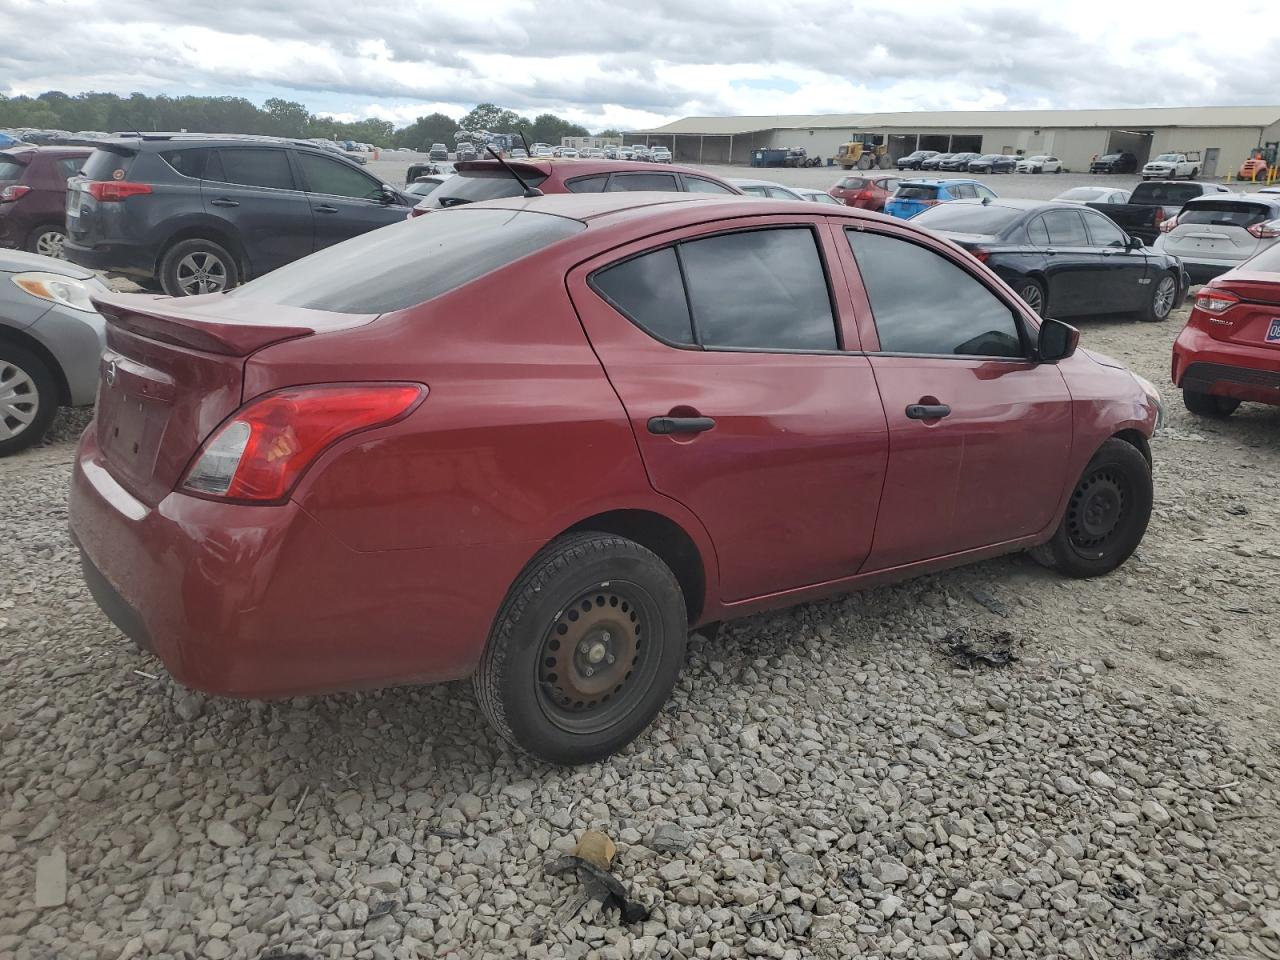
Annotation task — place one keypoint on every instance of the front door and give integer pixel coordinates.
(728, 353)
(1073, 267)
(1126, 282)
(978, 434)
(346, 201)
(252, 189)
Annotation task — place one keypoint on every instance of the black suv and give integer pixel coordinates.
(197, 213)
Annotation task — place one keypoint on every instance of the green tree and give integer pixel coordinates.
(423, 132)
(288, 118)
(491, 117)
(548, 128)
(610, 133)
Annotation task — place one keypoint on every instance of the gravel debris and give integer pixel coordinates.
(827, 782)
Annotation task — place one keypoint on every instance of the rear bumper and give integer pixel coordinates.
(1205, 365)
(265, 602)
(130, 259)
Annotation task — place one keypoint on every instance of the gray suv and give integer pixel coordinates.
(200, 213)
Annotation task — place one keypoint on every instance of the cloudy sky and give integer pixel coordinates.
(639, 63)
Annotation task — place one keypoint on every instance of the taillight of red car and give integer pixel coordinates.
(1211, 311)
(258, 455)
(980, 254)
(13, 192)
(114, 191)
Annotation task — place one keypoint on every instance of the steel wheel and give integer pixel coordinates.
(201, 272)
(594, 666)
(19, 400)
(49, 243)
(1099, 512)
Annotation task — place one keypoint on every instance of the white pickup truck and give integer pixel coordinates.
(1171, 166)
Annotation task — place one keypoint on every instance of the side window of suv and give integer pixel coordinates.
(925, 304)
(255, 167)
(68, 166)
(337, 179)
(193, 162)
(760, 289)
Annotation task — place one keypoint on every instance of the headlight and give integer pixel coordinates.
(1150, 390)
(56, 289)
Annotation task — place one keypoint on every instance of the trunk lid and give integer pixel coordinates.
(1254, 322)
(110, 163)
(173, 370)
(1218, 229)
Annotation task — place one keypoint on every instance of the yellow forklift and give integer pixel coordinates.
(863, 155)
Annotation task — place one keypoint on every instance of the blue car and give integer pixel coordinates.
(913, 196)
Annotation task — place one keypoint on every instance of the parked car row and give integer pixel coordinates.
(971, 162)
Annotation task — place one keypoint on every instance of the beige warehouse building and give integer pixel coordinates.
(1223, 135)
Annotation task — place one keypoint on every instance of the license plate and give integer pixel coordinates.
(1273, 331)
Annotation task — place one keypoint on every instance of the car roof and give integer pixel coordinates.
(936, 181)
(133, 141)
(1271, 200)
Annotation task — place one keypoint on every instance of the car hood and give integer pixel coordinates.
(1103, 360)
(15, 261)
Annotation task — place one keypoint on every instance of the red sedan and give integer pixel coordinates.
(869, 191)
(1229, 350)
(536, 441)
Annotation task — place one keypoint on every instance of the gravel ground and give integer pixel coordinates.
(827, 782)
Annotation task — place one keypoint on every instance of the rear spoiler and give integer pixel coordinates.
(206, 324)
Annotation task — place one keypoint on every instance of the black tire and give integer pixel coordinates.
(28, 398)
(1059, 170)
(47, 240)
(1164, 293)
(1033, 294)
(605, 597)
(1106, 516)
(1195, 172)
(1209, 405)
(198, 266)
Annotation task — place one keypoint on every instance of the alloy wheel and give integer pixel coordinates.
(19, 400)
(1033, 298)
(201, 272)
(49, 244)
(1165, 293)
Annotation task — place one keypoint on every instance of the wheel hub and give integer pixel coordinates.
(591, 651)
(1097, 508)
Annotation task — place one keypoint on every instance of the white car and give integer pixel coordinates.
(660, 155)
(568, 153)
(1210, 235)
(767, 189)
(1171, 166)
(1040, 163)
(593, 153)
(1093, 195)
(815, 196)
(543, 153)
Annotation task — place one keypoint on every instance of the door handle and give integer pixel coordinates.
(1049, 251)
(927, 411)
(224, 202)
(325, 208)
(665, 425)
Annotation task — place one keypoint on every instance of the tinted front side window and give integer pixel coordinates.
(763, 288)
(408, 263)
(643, 181)
(698, 185)
(924, 303)
(1037, 233)
(252, 167)
(1103, 232)
(1066, 228)
(648, 290)
(337, 179)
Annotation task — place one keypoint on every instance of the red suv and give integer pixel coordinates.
(868, 191)
(33, 196)
(1229, 350)
(488, 180)
(538, 440)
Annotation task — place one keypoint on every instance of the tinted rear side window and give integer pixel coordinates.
(763, 288)
(408, 263)
(103, 164)
(924, 303)
(253, 167)
(65, 167)
(699, 185)
(189, 163)
(906, 192)
(1066, 228)
(473, 186)
(588, 184)
(10, 169)
(648, 291)
(665, 182)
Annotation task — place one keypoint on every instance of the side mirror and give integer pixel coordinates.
(1135, 243)
(1057, 341)
(390, 195)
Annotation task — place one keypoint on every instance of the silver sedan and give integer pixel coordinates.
(51, 342)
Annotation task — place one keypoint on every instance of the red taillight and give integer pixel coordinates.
(1215, 301)
(417, 212)
(1160, 216)
(13, 192)
(258, 455)
(113, 191)
(1167, 225)
(1266, 231)
(981, 255)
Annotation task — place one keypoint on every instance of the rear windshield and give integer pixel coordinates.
(916, 193)
(103, 164)
(853, 183)
(10, 169)
(408, 263)
(472, 186)
(984, 219)
(1225, 213)
(1084, 193)
(1165, 194)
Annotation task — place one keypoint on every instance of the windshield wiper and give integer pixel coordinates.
(528, 190)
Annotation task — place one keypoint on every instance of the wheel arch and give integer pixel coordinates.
(206, 230)
(666, 538)
(1135, 438)
(27, 342)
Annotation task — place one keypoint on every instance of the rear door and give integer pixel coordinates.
(727, 349)
(254, 192)
(345, 201)
(1073, 267)
(979, 435)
